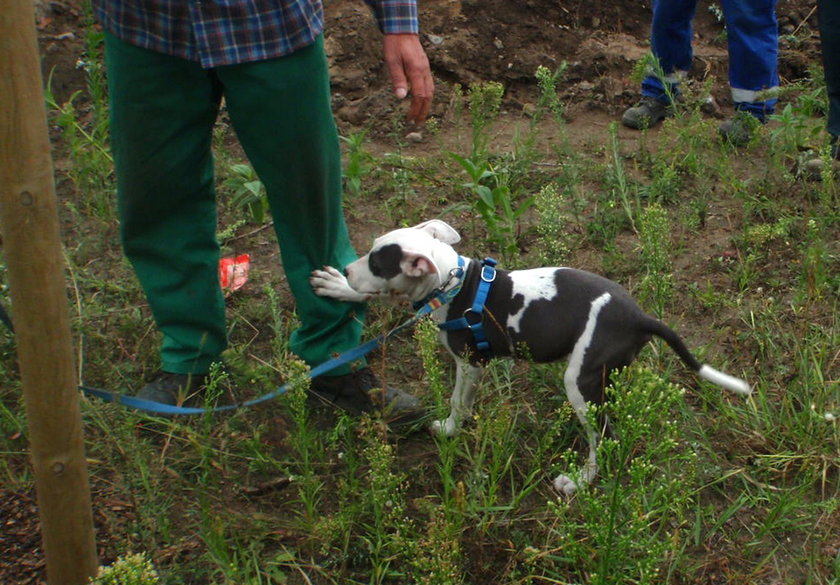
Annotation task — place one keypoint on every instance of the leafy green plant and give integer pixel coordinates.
(792, 131)
(357, 162)
(132, 569)
(657, 286)
(248, 191)
(388, 528)
(552, 229)
(494, 202)
(92, 165)
(631, 526)
(621, 190)
(524, 147)
(86, 137)
(305, 440)
(485, 100)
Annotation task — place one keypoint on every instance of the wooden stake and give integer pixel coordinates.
(32, 250)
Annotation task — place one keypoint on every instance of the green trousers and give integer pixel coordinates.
(163, 110)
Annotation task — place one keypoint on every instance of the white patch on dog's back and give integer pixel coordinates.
(533, 285)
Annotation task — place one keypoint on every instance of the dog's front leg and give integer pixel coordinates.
(331, 283)
(463, 398)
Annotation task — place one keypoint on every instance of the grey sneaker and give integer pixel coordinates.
(813, 168)
(174, 389)
(360, 391)
(739, 130)
(648, 113)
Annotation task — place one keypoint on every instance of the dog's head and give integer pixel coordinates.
(409, 261)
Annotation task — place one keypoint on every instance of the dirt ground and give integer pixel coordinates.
(466, 41)
(480, 40)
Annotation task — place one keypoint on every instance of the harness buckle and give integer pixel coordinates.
(472, 313)
(488, 270)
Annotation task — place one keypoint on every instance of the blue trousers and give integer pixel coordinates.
(829, 16)
(753, 42)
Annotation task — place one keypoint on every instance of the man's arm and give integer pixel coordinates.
(405, 58)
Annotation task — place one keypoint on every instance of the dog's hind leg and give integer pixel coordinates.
(576, 390)
(462, 400)
(581, 381)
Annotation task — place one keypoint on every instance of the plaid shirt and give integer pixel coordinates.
(226, 32)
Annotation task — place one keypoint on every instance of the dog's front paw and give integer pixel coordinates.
(331, 283)
(444, 428)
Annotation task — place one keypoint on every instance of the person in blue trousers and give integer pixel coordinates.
(829, 19)
(753, 42)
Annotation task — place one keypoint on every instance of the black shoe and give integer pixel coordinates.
(739, 130)
(360, 392)
(174, 389)
(647, 114)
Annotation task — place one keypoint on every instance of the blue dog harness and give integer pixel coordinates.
(473, 318)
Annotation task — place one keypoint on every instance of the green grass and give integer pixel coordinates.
(699, 486)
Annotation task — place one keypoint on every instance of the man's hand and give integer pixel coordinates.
(409, 68)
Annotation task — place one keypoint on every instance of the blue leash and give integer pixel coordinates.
(160, 408)
(331, 364)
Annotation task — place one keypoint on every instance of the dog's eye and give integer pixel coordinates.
(385, 262)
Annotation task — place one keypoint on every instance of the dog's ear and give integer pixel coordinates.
(440, 230)
(417, 265)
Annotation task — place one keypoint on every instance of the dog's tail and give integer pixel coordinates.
(658, 328)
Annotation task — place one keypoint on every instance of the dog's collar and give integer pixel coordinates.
(441, 296)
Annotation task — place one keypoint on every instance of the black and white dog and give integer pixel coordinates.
(542, 314)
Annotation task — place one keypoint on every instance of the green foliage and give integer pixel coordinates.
(133, 569)
(657, 286)
(632, 527)
(485, 100)
(552, 229)
(86, 137)
(357, 163)
(247, 190)
(494, 202)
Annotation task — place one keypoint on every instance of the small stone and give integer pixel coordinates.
(414, 137)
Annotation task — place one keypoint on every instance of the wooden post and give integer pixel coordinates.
(32, 250)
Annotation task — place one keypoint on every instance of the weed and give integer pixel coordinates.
(305, 440)
(524, 148)
(630, 528)
(793, 132)
(388, 528)
(135, 569)
(92, 164)
(357, 163)
(495, 203)
(86, 137)
(248, 192)
(657, 286)
(438, 552)
(485, 100)
(621, 191)
(552, 229)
